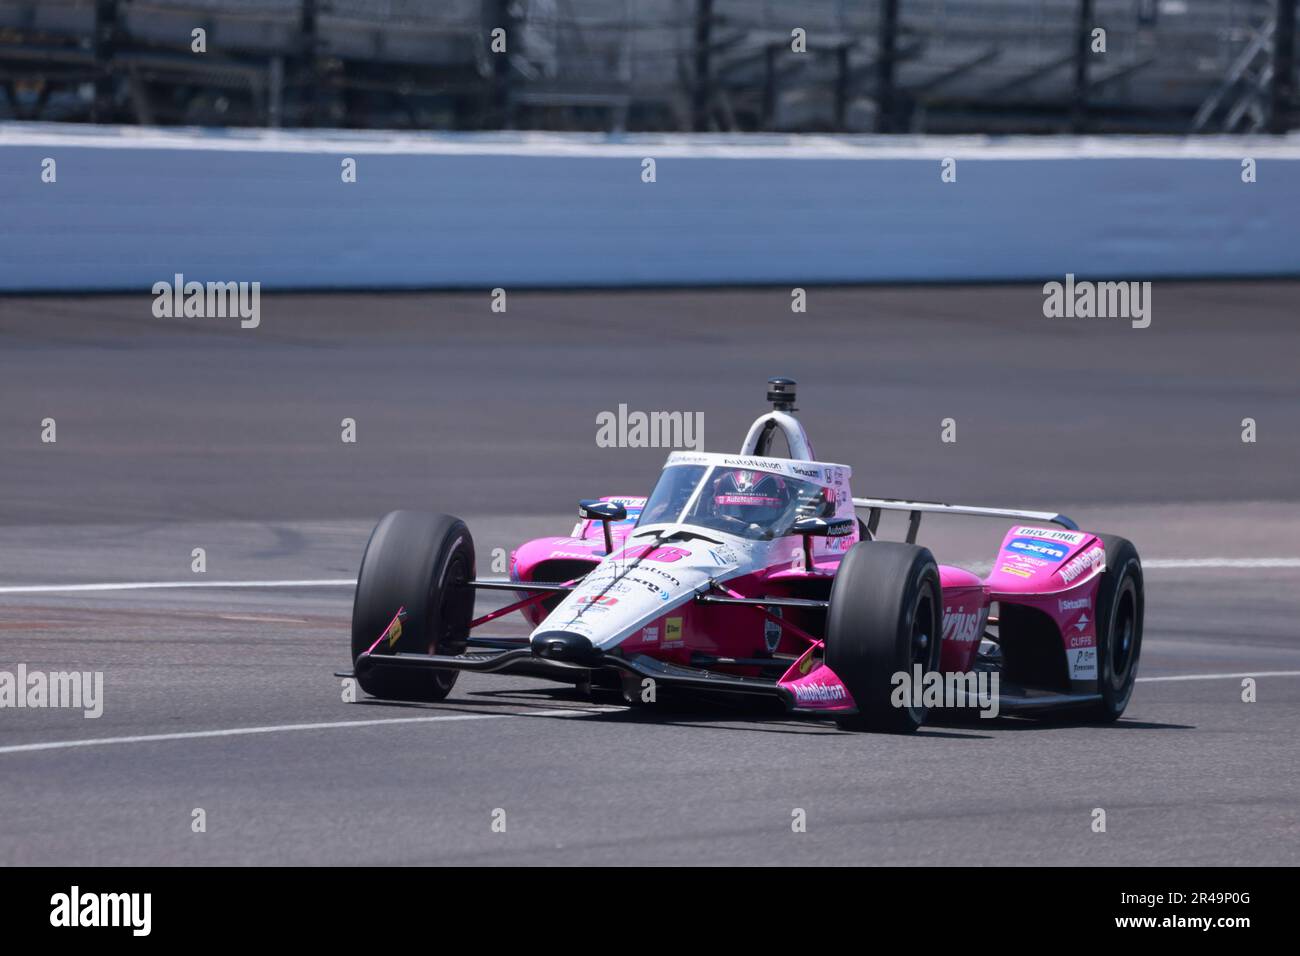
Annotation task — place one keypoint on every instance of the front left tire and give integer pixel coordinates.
(421, 562)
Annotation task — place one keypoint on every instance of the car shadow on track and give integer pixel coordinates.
(741, 716)
(1042, 722)
(747, 717)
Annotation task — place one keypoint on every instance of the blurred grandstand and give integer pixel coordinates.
(1171, 66)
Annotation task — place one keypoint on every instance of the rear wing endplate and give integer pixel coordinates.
(915, 509)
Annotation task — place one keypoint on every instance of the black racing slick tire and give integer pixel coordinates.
(1121, 601)
(885, 616)
(421, 562)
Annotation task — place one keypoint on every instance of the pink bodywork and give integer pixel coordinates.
(1048, 569)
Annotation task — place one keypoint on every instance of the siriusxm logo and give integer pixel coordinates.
(1038, 549)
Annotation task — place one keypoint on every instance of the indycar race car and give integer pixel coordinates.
(752, 574)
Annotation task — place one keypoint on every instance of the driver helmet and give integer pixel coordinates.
(755, 497)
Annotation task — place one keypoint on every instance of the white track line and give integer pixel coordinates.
(1153, 564)
(440, 718)
(1222, 563)
(284, 728)
(1224, 676)
(155, 585)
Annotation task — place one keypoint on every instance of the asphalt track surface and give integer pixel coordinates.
(177, 434)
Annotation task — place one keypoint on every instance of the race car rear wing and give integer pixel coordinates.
(915, 509)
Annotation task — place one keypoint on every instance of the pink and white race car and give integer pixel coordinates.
(753, 574)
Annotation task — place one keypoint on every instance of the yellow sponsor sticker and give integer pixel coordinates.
(672, 630)
(394, 631)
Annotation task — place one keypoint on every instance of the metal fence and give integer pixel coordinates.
(727, 65)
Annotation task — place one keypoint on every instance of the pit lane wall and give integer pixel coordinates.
(124, 207)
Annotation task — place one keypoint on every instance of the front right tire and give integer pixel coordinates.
(1121, 601)
(885, 617)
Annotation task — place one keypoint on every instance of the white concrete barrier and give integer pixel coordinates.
(129, 206)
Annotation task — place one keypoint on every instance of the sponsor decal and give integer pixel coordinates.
(394, 631)
(1083, 663)
(960, 626)
(765, 500)
(1092, 559)
(650, 635)
(602, 600)
(1082, 640)
(672, 631)
(1018, 572)
(1075, 604)
(1046, 550)
(817, 691)
(1048, 534)
(807, 664)
(648, 552)
(584, 555)
(812, 474)
(578, 626)
(772, 631)
(636, 575)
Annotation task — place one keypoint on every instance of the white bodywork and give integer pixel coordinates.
(638, 584)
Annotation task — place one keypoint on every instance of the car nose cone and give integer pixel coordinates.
(564, 646)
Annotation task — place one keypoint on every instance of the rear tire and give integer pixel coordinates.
(421, 562)
(1121, 603)
(885, 616)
